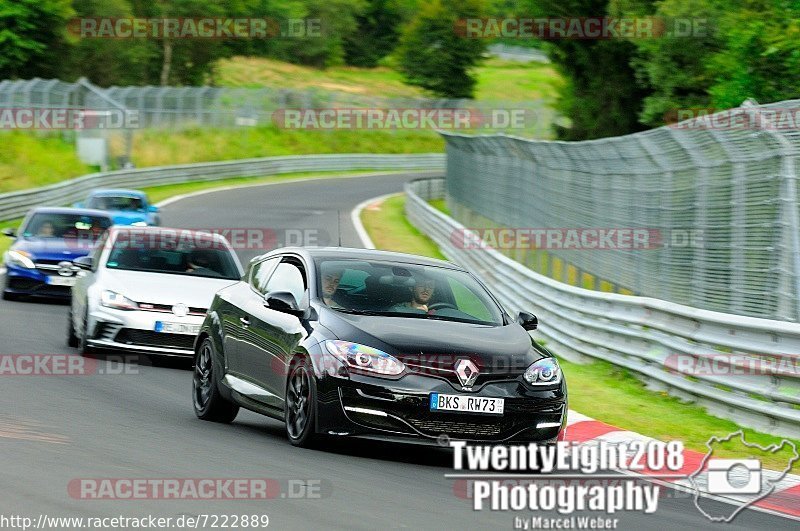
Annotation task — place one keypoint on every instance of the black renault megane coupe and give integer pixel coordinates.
(361, 343)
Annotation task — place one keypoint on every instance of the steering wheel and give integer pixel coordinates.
(438, 305)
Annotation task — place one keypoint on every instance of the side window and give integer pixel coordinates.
(261, 272)
(288, 277)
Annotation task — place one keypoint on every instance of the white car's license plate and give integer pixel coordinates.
(61, 281)
(177, 328)
(467, 404)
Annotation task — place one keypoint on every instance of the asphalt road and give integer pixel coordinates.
(140, 424)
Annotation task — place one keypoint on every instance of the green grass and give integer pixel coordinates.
(513, 81)
(28, 160)
(5, 241)
(599, 389)
(390, 230)
(496, 79)
(160, 147)
(252, 72)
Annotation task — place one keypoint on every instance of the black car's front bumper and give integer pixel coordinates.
(400, 409)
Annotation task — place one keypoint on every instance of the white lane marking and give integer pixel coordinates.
(176, 198)
(355, 219)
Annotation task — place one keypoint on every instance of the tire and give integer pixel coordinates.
(207, 401)
(300, 414)
(72, 339)
(8, 296)
(83, 341)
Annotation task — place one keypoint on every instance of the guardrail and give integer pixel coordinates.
(665, 344)
(16, 204)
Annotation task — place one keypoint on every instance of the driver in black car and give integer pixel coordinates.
(421, 294)
(330, 283)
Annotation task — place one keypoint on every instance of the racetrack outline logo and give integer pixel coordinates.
(773, 448)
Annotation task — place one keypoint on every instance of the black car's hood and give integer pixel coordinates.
(435, 343)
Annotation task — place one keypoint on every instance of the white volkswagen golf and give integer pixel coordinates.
(146, 289)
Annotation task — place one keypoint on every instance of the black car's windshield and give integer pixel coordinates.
(190, 254)
(126, 203)
(65, 226)
(405, 290)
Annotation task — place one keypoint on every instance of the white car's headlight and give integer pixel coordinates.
(543, 372)
(111, 299)
(20, 258)
(365, 358)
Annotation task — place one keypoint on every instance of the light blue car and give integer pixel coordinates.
(127, 207)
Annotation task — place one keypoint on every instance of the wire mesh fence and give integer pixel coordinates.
(718, 205)
(222, 107)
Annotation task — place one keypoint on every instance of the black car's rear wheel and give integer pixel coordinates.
(301, 404)
(208, 403)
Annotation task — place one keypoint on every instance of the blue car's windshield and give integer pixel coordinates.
(125, 203)
(77, 226)
(405, 290)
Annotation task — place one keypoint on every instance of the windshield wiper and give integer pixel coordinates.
(357, 312)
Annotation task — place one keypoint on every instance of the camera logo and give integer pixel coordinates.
(741, 482)
(734, 476)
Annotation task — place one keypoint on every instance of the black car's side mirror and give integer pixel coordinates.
(11, 233)
(282, 301)
(83, 262)
(528, 321)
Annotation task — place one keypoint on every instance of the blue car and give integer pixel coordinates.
(127, 207)
(39, 262)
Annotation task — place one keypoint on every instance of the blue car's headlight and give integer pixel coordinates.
(546, 371)
(20, 259)
(365, 358)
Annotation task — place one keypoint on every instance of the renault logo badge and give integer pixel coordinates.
(467, 373)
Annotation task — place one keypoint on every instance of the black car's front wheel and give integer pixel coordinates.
(208, 403)
(301, 404)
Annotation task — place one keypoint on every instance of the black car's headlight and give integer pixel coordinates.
(543, 372)
(365, 358)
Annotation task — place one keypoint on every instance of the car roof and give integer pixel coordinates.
(70, 210)
(348, 253)
(116, 191)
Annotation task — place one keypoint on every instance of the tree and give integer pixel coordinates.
(33, 37)
(434, 56)
(377, 33)
(750, 49)
(602, 97)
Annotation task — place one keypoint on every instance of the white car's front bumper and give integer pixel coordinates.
(137, 330)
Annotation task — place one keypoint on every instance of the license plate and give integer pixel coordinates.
(61, 281)
(467, 404)
(177, 328)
